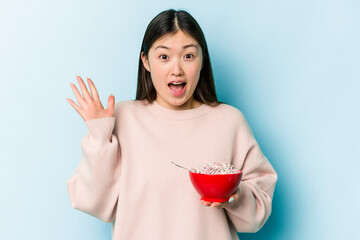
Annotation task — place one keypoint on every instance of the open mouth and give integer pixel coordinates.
(177, 87)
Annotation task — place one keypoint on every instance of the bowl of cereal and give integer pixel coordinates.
(215, 182)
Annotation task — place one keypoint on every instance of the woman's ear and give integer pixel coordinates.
(145, 61)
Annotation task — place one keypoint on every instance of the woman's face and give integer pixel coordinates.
(174, 63)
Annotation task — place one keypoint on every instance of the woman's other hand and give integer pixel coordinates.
(219, 205)
(90, 105)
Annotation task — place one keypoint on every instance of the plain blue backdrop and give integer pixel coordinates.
(292, 68)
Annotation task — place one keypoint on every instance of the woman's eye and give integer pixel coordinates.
(188, 56)
(163, 57)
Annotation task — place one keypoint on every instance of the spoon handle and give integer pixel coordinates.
(180, 166)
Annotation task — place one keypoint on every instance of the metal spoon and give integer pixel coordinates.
(180, 166)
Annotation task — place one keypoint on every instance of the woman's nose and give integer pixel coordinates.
(177, 68)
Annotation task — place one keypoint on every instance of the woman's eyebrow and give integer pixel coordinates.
(186, 46)
(190, 45)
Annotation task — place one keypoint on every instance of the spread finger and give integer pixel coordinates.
(78, 96)
(84, 90)
(93, 90)
(75, 106)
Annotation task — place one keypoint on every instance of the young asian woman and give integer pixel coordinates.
(125, 175)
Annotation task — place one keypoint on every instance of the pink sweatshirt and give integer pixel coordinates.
(125, 175)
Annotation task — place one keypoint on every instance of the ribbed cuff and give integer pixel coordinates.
(101, 128)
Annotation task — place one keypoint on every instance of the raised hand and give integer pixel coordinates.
(90, 105)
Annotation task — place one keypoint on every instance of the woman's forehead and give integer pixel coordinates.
(177, 40)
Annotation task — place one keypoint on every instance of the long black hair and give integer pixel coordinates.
(170, 22)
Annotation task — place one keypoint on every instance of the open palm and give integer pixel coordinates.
(90, 106)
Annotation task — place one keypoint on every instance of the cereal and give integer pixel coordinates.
(215, 168)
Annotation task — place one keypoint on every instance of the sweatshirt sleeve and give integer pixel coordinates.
(253, 207)
(94, 186)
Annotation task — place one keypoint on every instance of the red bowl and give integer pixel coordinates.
(215, 188)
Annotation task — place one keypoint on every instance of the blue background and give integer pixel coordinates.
(292, 68)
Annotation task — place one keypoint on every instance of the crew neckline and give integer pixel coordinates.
(168, 113)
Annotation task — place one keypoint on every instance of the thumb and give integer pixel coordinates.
(237, 194)
(111, 104)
